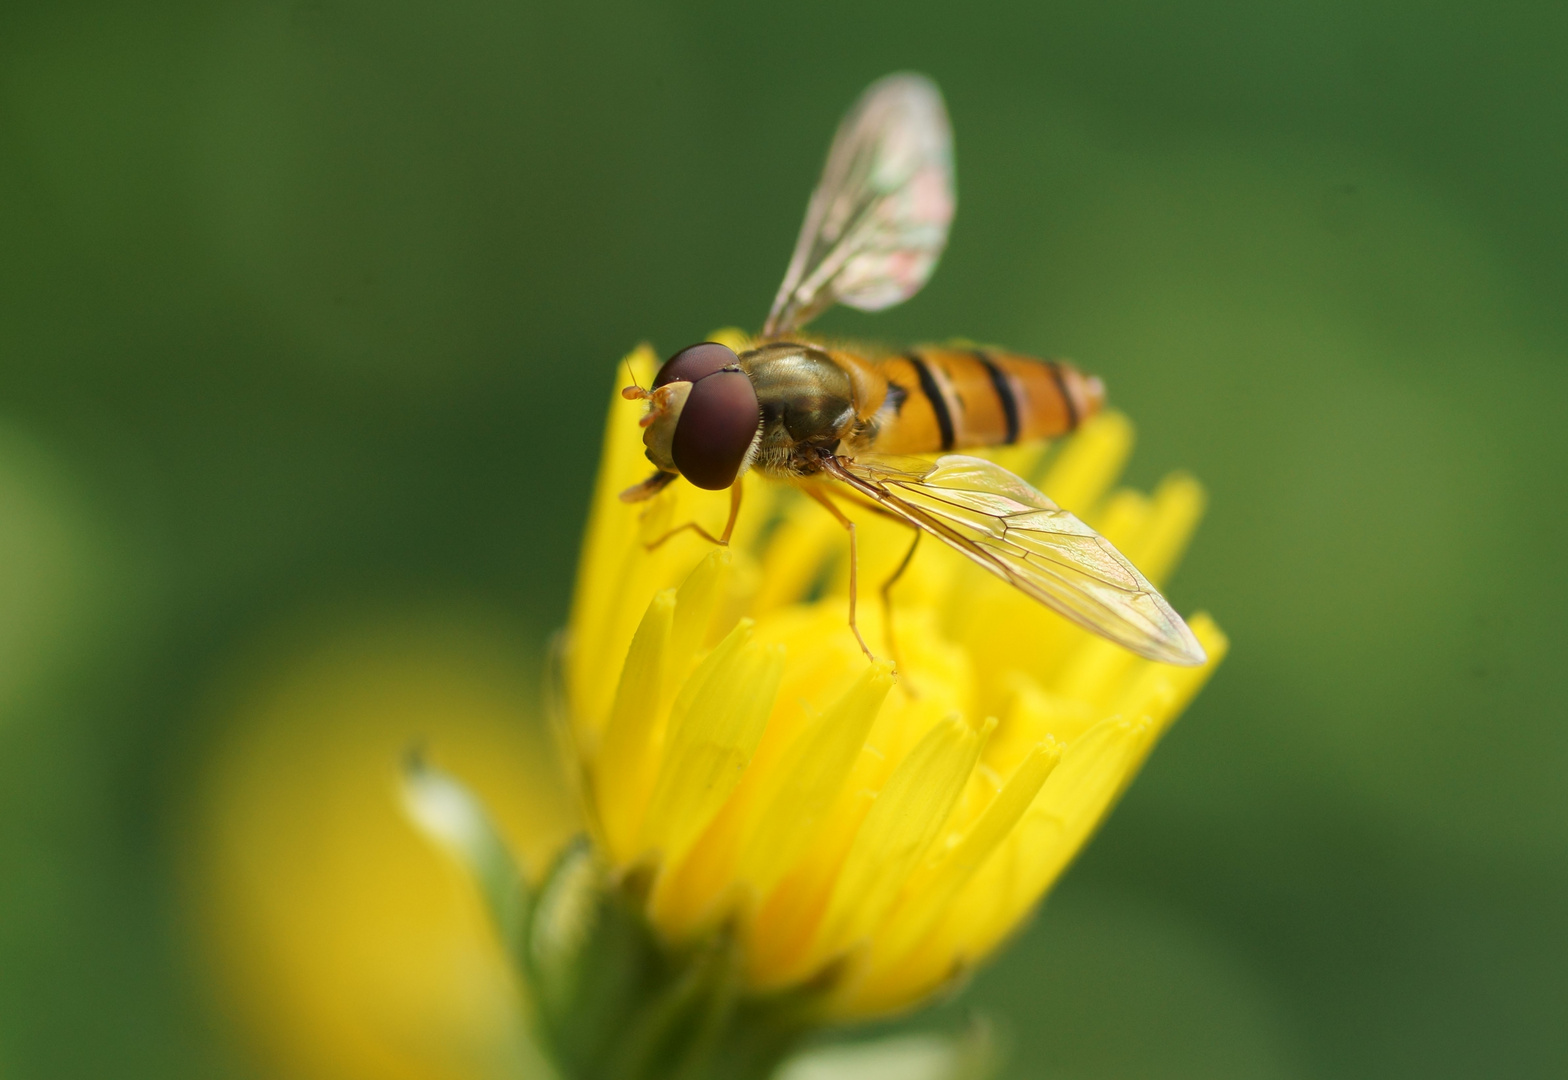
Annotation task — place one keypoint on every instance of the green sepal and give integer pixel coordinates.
(610, 1001)
(970, 1055)
(616, 1004)
(454, 818)
(592, 964)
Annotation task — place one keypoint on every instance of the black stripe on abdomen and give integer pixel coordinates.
(1067, 399)
(1004, 394)
(933, 393)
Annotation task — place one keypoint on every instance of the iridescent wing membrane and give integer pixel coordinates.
(1014, 531)
(877, 221)
(875, 227)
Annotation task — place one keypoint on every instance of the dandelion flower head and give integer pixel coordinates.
(870, 834)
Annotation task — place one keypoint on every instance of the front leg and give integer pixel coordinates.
(723, 539)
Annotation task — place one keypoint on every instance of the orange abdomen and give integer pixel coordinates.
(946, 398)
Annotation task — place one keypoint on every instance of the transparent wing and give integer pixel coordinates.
(878, 219)
(1005, 525)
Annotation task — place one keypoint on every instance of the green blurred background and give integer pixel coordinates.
(309, 311)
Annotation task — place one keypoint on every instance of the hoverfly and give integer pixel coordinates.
(798, 410)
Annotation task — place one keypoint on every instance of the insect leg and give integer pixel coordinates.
(648, 488)
(887, 586)
(723, 539)
(736, 491)
(887, 598)
(854, 563)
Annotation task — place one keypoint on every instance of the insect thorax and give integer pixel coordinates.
(807, 402)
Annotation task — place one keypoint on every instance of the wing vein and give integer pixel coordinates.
(1072, 570)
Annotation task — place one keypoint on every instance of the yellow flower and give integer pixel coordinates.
(338, 942)
(869, 834)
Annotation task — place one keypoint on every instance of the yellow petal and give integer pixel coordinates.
(714, 727)
(930, 891)
(1089, 462)
(1178, 507)
(629, 754)
(604, 566)
(775, 813)
(899, 829)
(700, 597)
(809, 778)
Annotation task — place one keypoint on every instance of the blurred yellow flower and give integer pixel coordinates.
(872, 835)
(341, 945)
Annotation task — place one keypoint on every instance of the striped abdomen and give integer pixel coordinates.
(945, 398)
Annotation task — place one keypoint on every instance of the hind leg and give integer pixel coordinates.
(854, 563)
(887, 599)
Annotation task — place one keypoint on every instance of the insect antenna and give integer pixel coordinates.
(634, 392)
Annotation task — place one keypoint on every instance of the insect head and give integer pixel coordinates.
(702, 415)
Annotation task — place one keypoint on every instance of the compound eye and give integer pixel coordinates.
(695, 362)
(715, 429)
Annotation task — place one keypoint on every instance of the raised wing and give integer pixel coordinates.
(878, 219)
(1014, 531)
